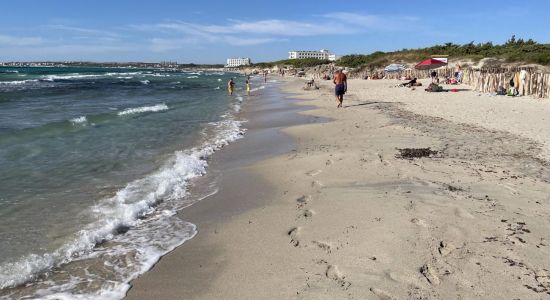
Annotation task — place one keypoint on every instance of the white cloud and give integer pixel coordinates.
(366, 21)
(238, 41)
(373, 22)
(168, 44)
(174, 35)
(277, 27)
(83, 30)
(6, 40)
(246, 33)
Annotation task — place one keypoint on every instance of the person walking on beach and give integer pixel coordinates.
(341, 82)
(230, 85)
(248, 87)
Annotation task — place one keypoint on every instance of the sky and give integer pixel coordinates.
(207, 31)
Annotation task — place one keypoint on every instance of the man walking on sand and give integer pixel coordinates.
(341, 82)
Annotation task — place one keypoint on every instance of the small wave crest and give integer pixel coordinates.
(137, 110)
(70, 76)
(146, 82)
(79, 120)
(17, 82)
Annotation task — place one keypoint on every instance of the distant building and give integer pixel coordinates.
(237, 62)
(323, 54)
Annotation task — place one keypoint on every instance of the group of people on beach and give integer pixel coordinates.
(340, 81)
(231, 86)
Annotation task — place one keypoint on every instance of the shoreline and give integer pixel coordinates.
(231, 168)
(345, 217)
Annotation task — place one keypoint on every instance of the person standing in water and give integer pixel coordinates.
(341, 82)
(230, 85)
(248, 87)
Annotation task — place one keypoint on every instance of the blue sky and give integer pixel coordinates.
(210, 31)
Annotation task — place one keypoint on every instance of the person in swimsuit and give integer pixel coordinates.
(410, 83)
(341, 82)
(230, 85)
(248, 87)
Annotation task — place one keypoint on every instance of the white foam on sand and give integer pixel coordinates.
(142, 109)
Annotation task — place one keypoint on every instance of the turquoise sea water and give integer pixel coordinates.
(94, 163)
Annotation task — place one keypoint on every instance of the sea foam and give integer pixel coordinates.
(137, 110)
(79, 120)
(18, 82)
(147, 207)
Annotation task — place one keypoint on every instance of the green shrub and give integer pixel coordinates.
(514, 50)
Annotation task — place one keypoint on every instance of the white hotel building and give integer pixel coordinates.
(237, 62)
(323, 54)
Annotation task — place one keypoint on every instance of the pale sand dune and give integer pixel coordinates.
(348, 219)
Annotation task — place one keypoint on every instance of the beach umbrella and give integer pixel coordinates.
(430, 64)
(395, 68)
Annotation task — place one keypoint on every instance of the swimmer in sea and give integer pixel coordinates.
(230, 85)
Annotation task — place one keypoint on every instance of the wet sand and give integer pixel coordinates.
(341, 214)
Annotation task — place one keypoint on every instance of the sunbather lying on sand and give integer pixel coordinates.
(410, 83)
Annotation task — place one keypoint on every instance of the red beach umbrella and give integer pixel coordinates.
(430, 64)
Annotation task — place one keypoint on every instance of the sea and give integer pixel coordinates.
(94, 165)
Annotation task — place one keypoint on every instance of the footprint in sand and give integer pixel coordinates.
(294, 236)
(419, 222)
(445, 248)
(542, 277)
(430, 273)
(317, 183)
(333, 273)
(303, 200)
(308, 213)
(323, 246)
(382, 295)
(314, 173)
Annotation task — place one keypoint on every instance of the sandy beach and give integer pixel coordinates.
(328, 207)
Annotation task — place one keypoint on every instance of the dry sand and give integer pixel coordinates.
(346, 218)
